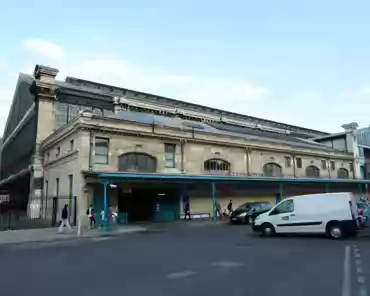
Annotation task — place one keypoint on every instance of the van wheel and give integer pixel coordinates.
(268, 230)
(335, 231)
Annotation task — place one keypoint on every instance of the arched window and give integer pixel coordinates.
(138, 162)
(217, 165)
(312, 172)
(272, 170)
(343, 173)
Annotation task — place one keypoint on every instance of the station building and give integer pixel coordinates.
(147, 154)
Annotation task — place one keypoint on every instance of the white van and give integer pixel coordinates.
(334, 214)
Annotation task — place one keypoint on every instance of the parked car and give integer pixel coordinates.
(246, 213)
(333, 214)
(363, 213)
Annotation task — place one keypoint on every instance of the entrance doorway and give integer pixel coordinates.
(149, 202)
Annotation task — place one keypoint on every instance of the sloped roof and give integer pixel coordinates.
(220, 129)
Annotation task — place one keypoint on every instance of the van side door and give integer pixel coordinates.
(282, 217)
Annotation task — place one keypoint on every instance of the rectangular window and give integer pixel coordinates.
(332, 165)
(288, 162)
(169, 155)
(323, 164)
(351, 166)
(61, 113)
(57, 187)
(101, 150)
(299, 162)
(58, 152)
(73, 111)
(71, 145)
(47, 157)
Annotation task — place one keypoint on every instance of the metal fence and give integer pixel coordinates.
(41, 214)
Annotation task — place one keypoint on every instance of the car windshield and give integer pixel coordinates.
(361, 205)
(245, 206)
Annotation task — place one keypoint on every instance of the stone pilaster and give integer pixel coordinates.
(43, 90)
(352, 146)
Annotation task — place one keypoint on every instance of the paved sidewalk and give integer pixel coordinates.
(51, 234)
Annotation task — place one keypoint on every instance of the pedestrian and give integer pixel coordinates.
(65, 221)
(187, 210)
(91, 214)
(218, 209)
(230, 207)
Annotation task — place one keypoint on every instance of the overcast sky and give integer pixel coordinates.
(301, 62)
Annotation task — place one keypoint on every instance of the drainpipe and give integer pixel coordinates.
(329, 168)
(182, 144)
(248, 155)
(91, 149)
(294, 172)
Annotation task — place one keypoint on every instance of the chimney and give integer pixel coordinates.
(45, 73)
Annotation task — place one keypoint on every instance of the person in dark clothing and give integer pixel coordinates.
(64, 218)
(187, 210)
(230, 207)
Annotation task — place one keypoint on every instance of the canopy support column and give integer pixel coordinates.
(214, 198)
(106, 192)
(327, 188)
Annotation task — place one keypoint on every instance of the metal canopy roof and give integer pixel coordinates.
(114, 176)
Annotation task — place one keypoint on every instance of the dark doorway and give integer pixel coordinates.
(141, 203)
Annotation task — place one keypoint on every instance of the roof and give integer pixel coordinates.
(90, 86)
(220, 129)
(114, 176)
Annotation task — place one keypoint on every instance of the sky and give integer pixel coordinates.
(303, 62)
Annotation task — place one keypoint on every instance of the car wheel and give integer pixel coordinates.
(335, 231)
(268, 230)
(250, 220)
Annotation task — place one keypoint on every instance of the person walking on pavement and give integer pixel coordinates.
(230, 207)
(65, 221)
(91, 214)
(218, 209)
(187, 210)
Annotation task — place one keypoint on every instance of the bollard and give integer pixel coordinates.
(78, 226)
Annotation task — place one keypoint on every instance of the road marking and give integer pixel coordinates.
(346, 285)
(227, 264)
(99, 239)
(359, 269)
(180, 275)
(361, 279)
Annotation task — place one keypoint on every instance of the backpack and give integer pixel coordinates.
(87, 211)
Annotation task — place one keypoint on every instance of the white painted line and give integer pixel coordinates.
(357, 255)
(227, 264)
(99, 239)
(361, 279)
(359, 269)
(362, 291)
(180, 275)
(358, 262)
(346, 284)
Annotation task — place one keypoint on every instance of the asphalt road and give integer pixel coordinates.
(211, 260)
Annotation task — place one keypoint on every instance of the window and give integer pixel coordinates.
(343, 173)
(283, 208)
(138, 162)
(71, 145)
(312, 172)
(58, 152)
(323, 164)
(288, 162)
(216, 165)
(272, 170)
(332, 165)
(61, 113)
(47, 156)
(299, 162)
(73, 111)
(101, 150)
(351, 166)
(97, 111)
(169, 155)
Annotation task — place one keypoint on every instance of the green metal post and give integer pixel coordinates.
(281, 192)
(361, 189)
(214, 198)
(106, 185)
(327, 188)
